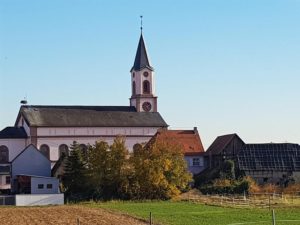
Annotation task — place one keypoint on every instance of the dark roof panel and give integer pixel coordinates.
(13, 132)
(141, 58)
(270, 157)
(89, 116)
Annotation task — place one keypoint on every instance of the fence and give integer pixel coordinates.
(260, 200)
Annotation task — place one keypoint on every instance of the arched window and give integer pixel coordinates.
(146, 87)
(45, 150)
(63, 150)
(83, 149)
(3, 154)
(133, 88)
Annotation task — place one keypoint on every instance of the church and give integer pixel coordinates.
(52, 129)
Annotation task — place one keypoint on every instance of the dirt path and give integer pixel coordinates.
(62, 215)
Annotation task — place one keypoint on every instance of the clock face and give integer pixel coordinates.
(146, 74)
(147, 106)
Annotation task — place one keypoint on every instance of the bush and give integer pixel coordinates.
(226, 186)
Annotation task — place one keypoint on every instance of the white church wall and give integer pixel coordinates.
(95, 131)
(55, 142)
(138, 82)
(15, 146)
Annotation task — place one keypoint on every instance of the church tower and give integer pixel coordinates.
(142, 81)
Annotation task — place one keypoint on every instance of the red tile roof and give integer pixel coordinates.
(188, 139)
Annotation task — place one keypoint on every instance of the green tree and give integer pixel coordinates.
(75, 176)
(98, 168)
(106, 166)
(118, 167)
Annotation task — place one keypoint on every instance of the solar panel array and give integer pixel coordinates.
(275, 157)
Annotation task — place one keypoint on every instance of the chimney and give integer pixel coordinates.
(195, 130)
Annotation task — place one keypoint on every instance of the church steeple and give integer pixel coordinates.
(141, 58)
(142, 79)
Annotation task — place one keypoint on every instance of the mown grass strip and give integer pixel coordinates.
(183, 213)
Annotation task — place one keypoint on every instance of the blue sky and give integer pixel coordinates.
(223, 66)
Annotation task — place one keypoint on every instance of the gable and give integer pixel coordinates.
(226, 143)
(31, 162)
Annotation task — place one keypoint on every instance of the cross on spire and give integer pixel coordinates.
(141, 16)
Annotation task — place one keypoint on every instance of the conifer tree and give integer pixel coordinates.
(75, 172)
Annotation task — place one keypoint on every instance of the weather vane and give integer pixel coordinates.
(141, 23)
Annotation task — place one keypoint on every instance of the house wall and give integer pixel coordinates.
(35, 181)
(95, 131)
(274, 177)
(54, 137)
(15, 146)
(31, 162)
(233, 148)
(193, 168)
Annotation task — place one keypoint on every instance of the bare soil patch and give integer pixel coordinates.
(62, 215)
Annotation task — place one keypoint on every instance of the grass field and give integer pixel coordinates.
(185, 213)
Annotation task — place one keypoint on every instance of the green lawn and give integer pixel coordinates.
(185, 213)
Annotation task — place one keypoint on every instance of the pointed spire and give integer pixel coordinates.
(141, 58)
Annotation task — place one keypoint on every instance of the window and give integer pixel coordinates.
(40, 186)
(7, 179)
(45, 150)
(197, 162)
(83, 149)
(49, 186)
(133, 88)
(146, 87)
(63, 150)
(3, 154)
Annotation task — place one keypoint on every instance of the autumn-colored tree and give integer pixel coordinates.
(106, 165)
(160, 171)
(157, 171)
